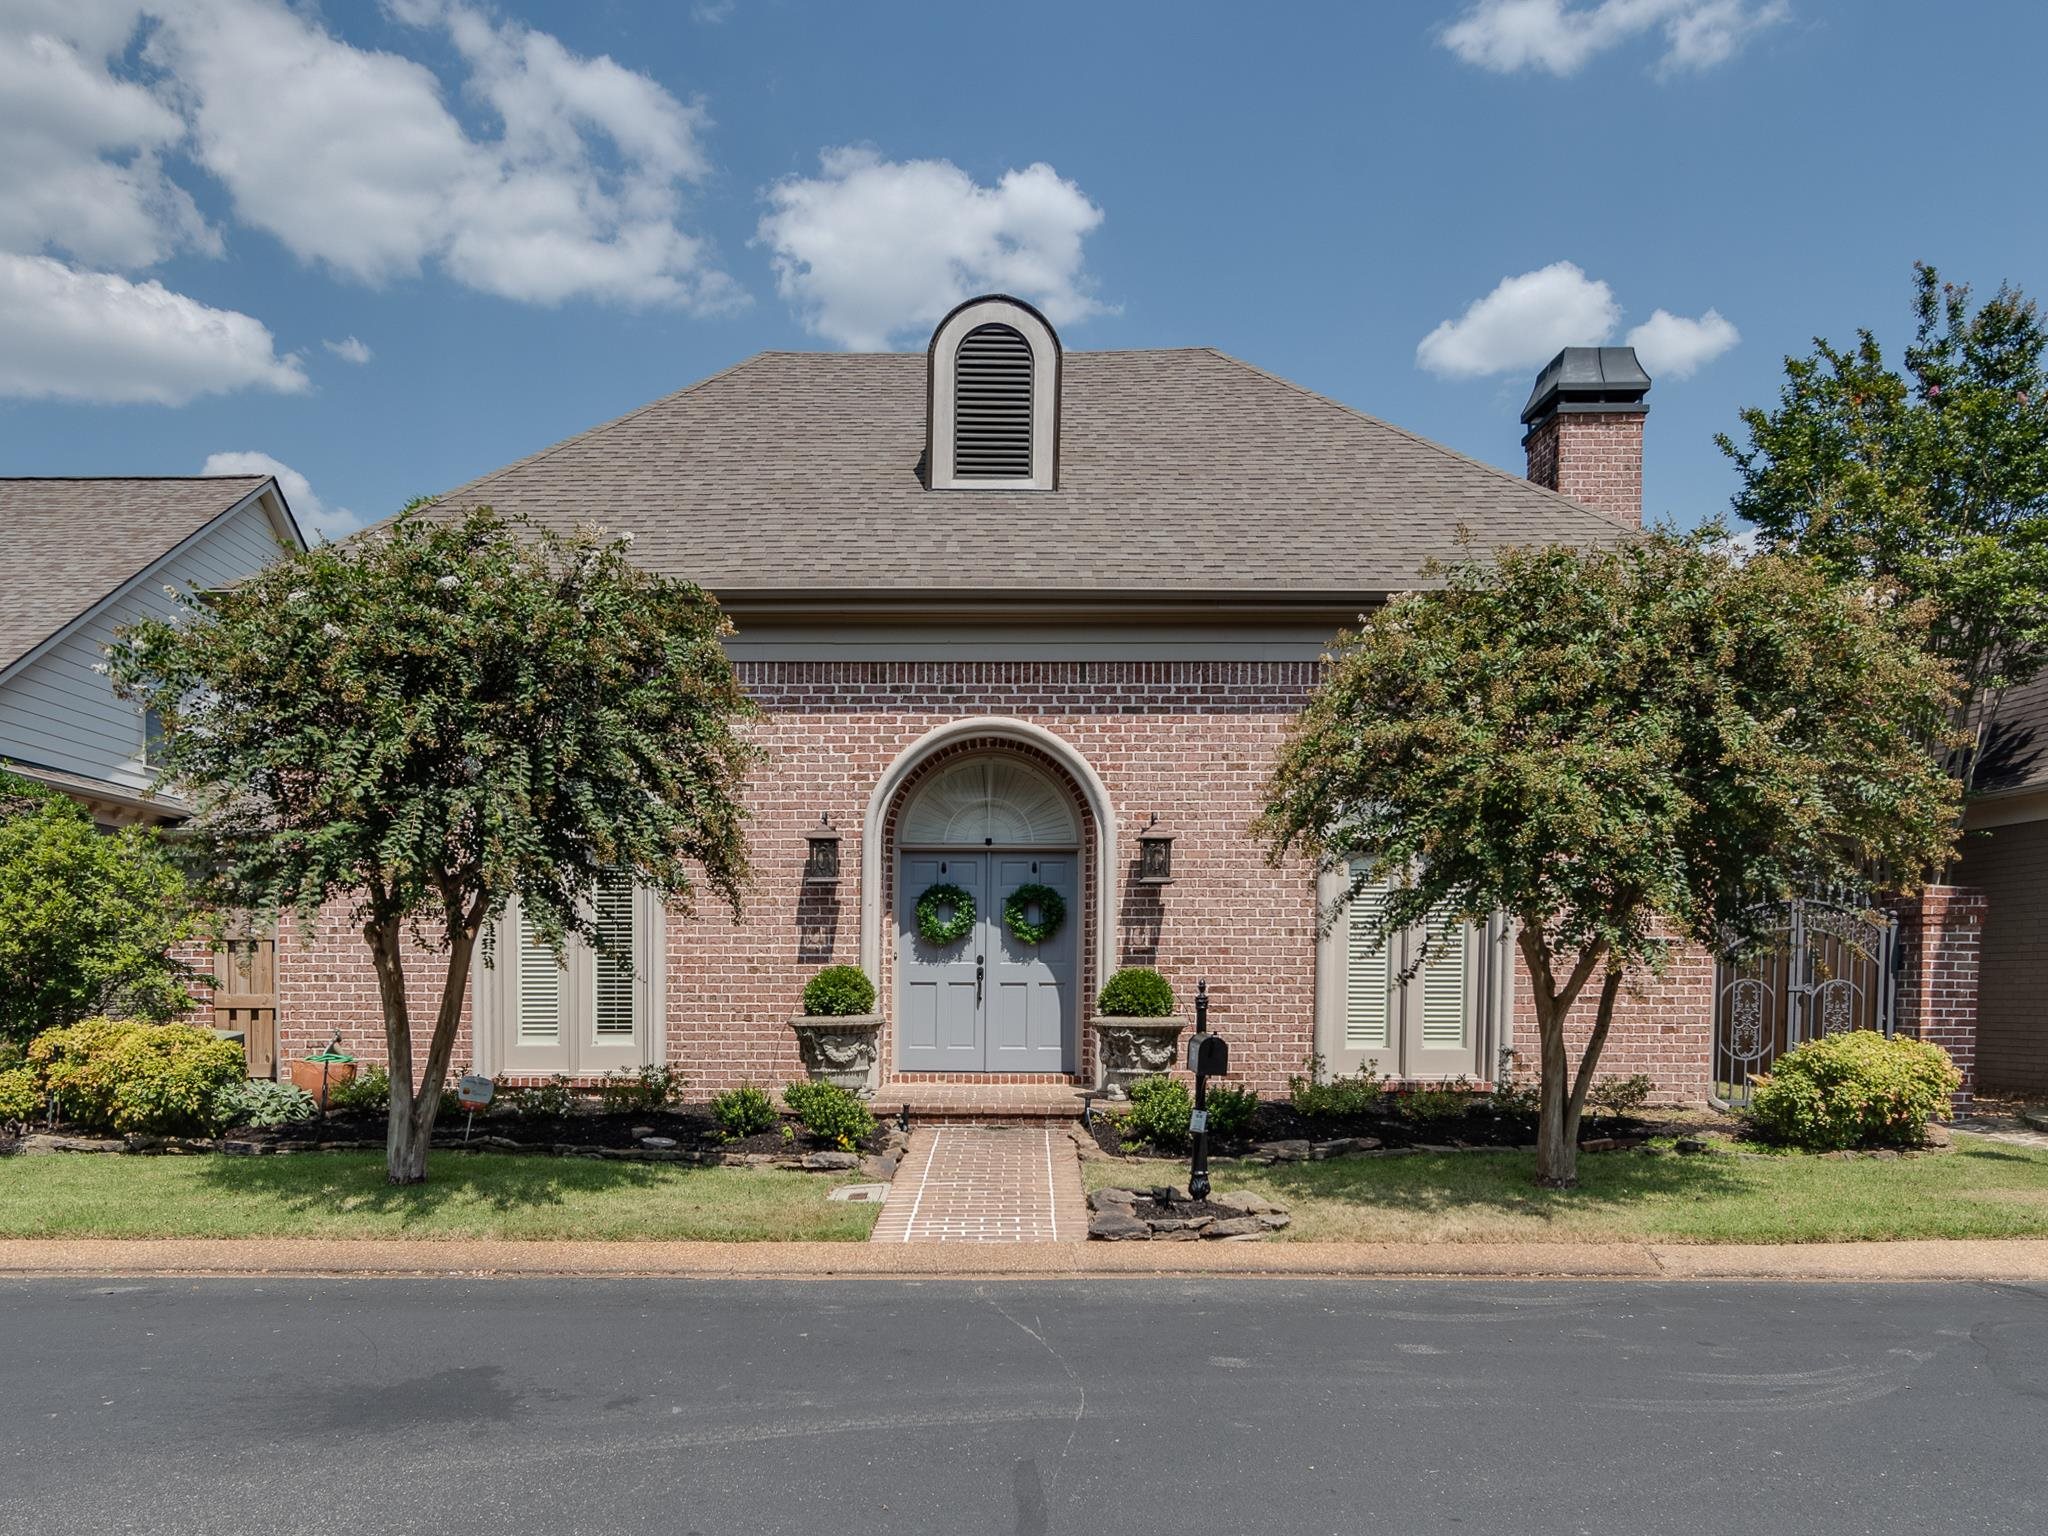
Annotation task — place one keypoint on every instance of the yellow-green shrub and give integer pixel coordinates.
(20, 1099)
(1854, 1089)
(121, 1075)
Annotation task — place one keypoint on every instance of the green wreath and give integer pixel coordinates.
(1052, 911)
(942, 931)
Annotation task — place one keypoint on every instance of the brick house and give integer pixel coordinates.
(2005, 858)
(1003, 608)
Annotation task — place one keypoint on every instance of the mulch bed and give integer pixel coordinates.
(1281, 1121)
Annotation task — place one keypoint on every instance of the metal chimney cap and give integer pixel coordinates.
(1578, 379)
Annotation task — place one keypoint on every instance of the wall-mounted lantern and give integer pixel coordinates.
(821, 867)
(1155, 854)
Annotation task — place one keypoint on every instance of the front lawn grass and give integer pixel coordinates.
(482, 1195)
(1981, 1189)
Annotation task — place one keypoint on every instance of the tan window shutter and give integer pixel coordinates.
(614, 1011)
(1368, 972)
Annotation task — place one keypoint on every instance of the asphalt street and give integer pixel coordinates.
(1132, 1407)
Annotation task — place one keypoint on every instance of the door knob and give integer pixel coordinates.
(980, 970)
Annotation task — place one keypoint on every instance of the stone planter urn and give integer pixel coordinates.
(1129, 1048)
(840, 1050)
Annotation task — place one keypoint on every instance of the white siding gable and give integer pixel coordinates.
(57, 712)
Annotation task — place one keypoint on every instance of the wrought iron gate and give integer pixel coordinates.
(1823, 966)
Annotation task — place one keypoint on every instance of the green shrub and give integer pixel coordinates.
(1619, 1097)
(122, 1075)
(743, 1111)
(261, 1103)
(367, 1093)
(1854, 1089)
(839, 991)
(1435, 1106)
(1159, 1112)
(1320, 1098)
(21, 1100)
(1136, 993)
(830, 1113)
(88, 918)
(641, 1092)
(551, 1100)
(1513, 1098)
(1231, 1111)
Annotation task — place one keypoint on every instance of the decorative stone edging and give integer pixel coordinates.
(1173, 1217)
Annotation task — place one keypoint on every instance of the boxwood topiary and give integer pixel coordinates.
(839, 991)
(1136, 993)
(1855, 1089)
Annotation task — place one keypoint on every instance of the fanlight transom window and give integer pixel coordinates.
(990, 802)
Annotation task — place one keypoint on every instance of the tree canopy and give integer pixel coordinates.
(88, 919)
(1933, 481)
(436, 717)
(1619, 748)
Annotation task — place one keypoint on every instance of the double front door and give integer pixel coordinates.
(986, 1002)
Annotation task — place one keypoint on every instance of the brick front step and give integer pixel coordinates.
(966, 1101)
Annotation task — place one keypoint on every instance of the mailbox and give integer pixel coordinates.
(1208, 1055)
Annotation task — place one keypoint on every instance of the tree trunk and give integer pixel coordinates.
(1563, 1095)
(410, 1128)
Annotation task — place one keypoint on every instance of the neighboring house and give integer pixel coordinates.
(1001, 606)
(78, 559)
(2005, 855)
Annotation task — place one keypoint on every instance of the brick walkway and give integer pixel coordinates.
(985, 1184)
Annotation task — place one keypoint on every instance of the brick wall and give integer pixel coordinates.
(1941, 941)
(2010, 866)
(1190, 740)
(1663, 1027)
(1596, 460)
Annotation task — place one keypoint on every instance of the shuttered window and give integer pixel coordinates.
(613, 1008)
(1444, 991)
(1368, 973)
(540, 989)
(992, 405)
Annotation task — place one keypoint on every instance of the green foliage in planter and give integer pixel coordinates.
(1320, 1097)
(367, 1093)
(830, 1113)
(1231, 1111)
(264, 1104)
(87, 918)
(20, 1099)
(838, 992)
(1136, 993)
(1619, 1097)
(1158, 1115)
(639, 1092)
(1856, 1089)
(743, 1111)
(124, 1075)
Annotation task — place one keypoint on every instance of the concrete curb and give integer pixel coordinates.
(2013, 1261)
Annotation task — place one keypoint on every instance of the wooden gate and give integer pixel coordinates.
(245, 998)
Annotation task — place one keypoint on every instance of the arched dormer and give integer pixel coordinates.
(993, 398)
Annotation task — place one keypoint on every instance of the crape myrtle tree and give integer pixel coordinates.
(1933, 480)
(438, 716)
(1621, 749)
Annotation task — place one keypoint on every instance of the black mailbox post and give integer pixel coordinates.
(1207, 1054)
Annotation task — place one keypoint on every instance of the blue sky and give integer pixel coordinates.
(393, 246)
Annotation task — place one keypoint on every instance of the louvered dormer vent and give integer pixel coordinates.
(992, 405)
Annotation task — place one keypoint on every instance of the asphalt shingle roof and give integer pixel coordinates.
(1182, 471)
(66, 544)
(2016, 752)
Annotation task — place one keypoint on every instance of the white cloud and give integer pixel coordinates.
(370, 174)
(349, 350)
(1671, 346)
(1557, 37)
(315, 517)
(711, 13)
(1522, 324)
(96, 336)
(873, 249)
(81, 152)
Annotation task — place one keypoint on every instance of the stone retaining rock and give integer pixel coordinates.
(1172, 1217)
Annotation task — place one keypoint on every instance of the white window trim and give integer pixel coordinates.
(495, 987)
(1492, 1011)
(1045, 387)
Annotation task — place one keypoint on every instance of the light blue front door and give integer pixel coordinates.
(986, 1003)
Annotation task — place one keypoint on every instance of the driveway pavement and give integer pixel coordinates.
(1137, 1406)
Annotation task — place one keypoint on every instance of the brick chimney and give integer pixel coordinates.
(1585, 437)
